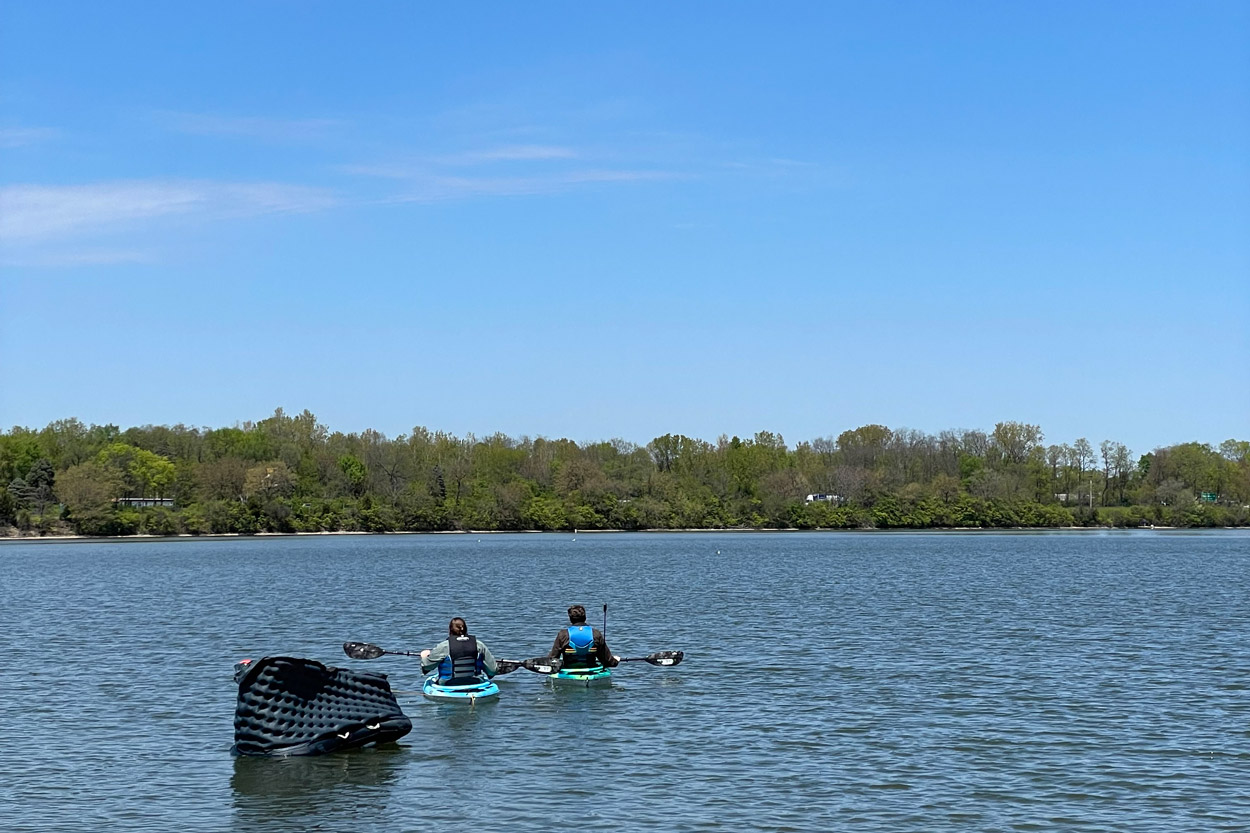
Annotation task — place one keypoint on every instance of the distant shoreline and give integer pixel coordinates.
(70, 539)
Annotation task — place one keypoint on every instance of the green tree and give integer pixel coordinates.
(144, 473)
(222, 478)
(67, 442)
(269, 481)
(355, 472)
(289, 473)
(1016, 441)
(8, 508)
(19, 450)
(545, 512)
(1083, 461)
(865, 446)
(89, 487)
(35, 491)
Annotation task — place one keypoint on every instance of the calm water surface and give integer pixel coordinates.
(866, 682)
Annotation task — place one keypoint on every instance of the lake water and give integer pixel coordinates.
(833, 681)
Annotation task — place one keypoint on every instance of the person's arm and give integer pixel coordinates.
(488, 660)
(603, 655)
(431, 659)
(557, 650)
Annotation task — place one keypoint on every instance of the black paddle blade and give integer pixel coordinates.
(539, 665)
(666, 657)
(362, 650)
(542, 665)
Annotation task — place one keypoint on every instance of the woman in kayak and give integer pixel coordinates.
(580, 645)
(460, 659)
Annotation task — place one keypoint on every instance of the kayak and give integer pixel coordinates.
(470, 694)
(581, 677)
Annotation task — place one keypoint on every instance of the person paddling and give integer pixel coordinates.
(461, 659)
(581, 646)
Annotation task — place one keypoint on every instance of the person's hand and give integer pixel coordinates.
(425, 653)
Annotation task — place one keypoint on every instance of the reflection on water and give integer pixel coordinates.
(459, 718)
(308, 777)
(270, 792)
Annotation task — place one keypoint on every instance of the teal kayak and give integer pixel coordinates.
(470, 694)
(581, 677)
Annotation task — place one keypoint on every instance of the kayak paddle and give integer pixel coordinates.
(539, 665)
(367, 650)
(664, 658)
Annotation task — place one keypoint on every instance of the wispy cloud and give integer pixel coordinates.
(31, 213)
(386, 170)
(775, 163)
(514, 153)
(436, 188)
(415, 167)
(15, 137)
(508, 170)
(82, 257)
(782, 162)
(255, 127)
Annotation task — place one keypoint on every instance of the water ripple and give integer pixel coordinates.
(875, 682)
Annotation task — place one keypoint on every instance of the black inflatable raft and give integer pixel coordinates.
(292, 706)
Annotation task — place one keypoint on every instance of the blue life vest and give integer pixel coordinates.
(580, 652)
(463, 664)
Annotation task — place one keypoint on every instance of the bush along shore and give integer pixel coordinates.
(288, 474)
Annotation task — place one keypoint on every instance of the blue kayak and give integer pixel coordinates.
(469, 694)
(581, 677)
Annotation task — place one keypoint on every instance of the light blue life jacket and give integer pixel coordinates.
(580, 652)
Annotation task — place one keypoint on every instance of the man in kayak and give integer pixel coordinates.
(460, 659)
(580, 645)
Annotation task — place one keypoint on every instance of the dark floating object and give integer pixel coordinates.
(292, 706)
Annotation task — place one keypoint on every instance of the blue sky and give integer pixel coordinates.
(624, 220)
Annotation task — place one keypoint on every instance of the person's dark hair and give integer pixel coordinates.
(457, 627)
(577, 615)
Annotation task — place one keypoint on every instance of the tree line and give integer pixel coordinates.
(292, 474)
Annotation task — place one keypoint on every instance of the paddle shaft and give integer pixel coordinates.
(367, 651)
